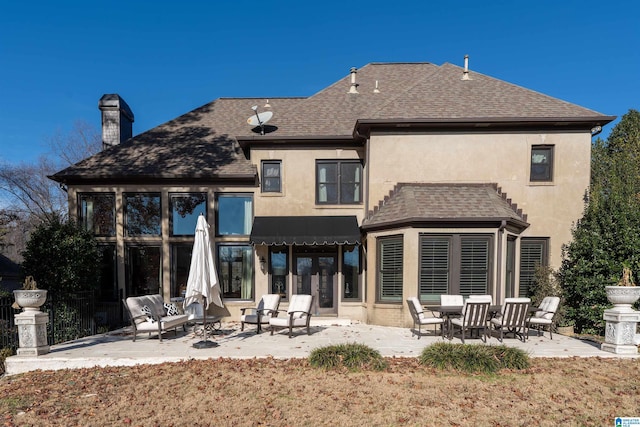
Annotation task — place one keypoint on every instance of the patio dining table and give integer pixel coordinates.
(451, 311)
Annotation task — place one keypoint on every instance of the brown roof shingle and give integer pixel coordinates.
(438, 203)
(203, 143)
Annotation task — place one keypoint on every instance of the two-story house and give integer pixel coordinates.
(398, 180)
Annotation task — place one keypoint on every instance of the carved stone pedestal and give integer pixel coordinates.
(32, 333)
(620, 330)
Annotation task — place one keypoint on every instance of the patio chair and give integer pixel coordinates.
(474, 317)
(419, 318)
(266, 309)
(452, 300)
(298, 314)
(512, 318)
(545, 314)
(482, 298)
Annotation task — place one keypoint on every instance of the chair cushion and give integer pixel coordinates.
(253, 318)
(431, 320)
(283, 322)
(169, 322)
(270, 302)
(453, 300)
(300, 304)
(548, 308)
(540, 321)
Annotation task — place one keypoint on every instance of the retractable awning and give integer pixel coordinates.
(305, 230)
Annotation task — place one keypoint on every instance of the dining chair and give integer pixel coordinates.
(419, 317)
(474, 317)
(451, 300)
(512, 318)
(483, 298)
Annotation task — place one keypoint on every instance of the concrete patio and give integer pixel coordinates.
(118, 349)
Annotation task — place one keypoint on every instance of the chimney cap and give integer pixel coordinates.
(115, 101)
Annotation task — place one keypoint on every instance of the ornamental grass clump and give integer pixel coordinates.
(353, 356)
(473, 358)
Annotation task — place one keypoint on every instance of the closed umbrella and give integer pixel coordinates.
(202, 284)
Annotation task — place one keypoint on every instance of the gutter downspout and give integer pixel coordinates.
(499, 284)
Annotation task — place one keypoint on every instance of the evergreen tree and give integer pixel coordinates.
(608, 234)
(63, 257)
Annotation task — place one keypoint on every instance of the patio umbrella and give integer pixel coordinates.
(202, 284)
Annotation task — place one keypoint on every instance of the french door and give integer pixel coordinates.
(316, 274)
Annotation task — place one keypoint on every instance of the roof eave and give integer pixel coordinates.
(245, 179)
(363, 127)
(246, 142)
(512, 223)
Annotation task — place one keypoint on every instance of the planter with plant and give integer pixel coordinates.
(625, 293)
(622, 319)
(29, 298)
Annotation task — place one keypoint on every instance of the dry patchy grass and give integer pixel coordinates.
(268, 392)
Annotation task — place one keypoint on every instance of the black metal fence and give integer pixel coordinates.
(8, 329)
(71, 316)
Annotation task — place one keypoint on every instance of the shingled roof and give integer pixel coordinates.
(411, 204)
(204, 144)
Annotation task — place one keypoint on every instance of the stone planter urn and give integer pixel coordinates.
(623, 297)
(621, 319)
(30, 299)
(31, 322)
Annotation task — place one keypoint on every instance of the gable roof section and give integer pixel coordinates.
(205, 144)
(197, 146)
(428, 205)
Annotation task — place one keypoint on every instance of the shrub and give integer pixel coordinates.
(61, 256)
(4, 353)
(473, 358)
(352, 356)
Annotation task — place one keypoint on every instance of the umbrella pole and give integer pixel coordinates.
(205, 343)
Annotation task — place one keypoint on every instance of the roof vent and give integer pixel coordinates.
(354, 85)
(465, 73)
(376, 90)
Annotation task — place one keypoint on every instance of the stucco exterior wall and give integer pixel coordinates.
(298, 196)
(482, 157)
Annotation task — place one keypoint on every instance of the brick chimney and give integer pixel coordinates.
(117, 120)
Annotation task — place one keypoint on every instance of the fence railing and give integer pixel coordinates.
(71, 316)
(8, 329)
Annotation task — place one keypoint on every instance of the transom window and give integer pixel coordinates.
(234, 214)
(97, 213)
(338, 182)
(541, 163)
(271, 176)
(142, 214)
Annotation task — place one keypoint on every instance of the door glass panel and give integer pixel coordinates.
(304, 271)
(326, 270)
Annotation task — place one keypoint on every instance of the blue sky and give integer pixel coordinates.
(166, 58)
